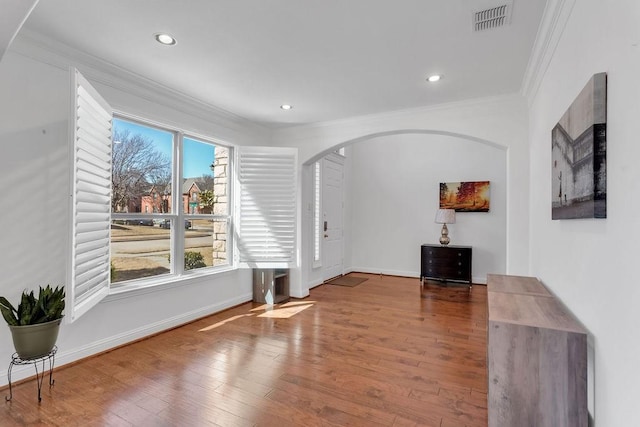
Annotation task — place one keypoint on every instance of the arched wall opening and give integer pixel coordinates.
(316, 156)
(391, 195)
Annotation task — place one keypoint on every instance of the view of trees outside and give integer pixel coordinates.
(137, 164)
(142, 201)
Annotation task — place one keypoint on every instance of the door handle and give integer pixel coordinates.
(325, 227)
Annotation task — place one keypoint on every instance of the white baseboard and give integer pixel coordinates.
(315, 283)
(64, 357)
(401, 273)
(479, 280)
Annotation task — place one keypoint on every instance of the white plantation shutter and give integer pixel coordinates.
(317, 222)
(91, 197)
(266, 224)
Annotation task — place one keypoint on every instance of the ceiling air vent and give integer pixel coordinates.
(494, 17)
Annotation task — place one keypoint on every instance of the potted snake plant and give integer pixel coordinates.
(35, 323)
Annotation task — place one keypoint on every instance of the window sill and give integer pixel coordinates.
(141, 287)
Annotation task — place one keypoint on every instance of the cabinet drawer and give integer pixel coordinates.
(445, 254)
(447, 272)
(443, 262)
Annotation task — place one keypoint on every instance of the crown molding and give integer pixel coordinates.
(37, 47)
(554, 20)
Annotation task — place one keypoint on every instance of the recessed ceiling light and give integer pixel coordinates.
(434, 78)
(166, 39)
(286, 106)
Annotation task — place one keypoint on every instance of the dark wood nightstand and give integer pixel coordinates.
(445, 263)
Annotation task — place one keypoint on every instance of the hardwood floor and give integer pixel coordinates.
(375, 354)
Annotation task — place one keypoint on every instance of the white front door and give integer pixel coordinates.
(332, 246)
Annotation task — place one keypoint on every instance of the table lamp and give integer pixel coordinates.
(444, 217)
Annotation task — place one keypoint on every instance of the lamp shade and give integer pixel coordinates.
(446, 216)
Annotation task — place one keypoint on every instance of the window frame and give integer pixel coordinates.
(177, 214)
(228, 217)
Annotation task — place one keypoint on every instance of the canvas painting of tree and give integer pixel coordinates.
(470, 196)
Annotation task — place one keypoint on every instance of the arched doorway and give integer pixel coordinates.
(382, 229)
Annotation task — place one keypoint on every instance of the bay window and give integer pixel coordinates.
(153, 204)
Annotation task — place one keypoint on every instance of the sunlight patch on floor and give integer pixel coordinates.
(285, 313)
(294, 303)
(276, 311)
(222, 322)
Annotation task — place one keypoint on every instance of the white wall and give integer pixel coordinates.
(592, 264)
(394, 198)
(501, 122)
(34, 207)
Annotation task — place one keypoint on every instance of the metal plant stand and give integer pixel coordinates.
(17, 360)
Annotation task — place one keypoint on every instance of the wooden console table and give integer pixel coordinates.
(445, 263)
(537, 357)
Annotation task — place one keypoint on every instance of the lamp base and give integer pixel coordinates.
(444, 237)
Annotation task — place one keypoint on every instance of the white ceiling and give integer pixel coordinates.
(330, 59)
